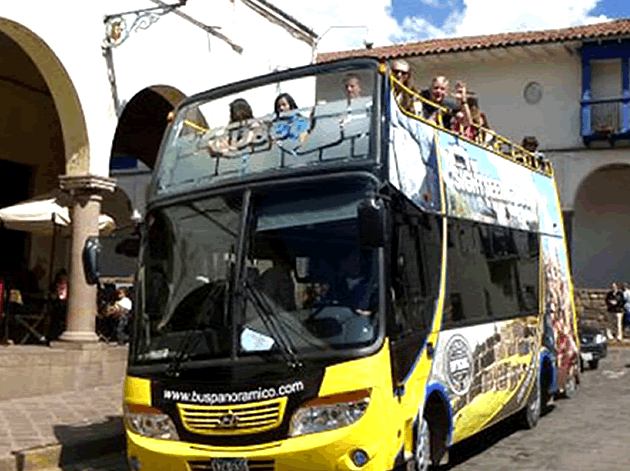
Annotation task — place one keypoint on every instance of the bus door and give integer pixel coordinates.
(415, 281)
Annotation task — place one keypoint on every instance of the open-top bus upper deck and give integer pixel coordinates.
(214, 142)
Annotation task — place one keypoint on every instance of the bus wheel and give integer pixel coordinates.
(422, 453)
(571, 387)
(531, 413)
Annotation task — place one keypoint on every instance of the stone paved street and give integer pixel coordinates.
(590, 432)
(67, 418)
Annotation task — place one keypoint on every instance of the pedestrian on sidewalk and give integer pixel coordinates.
(626, 307)
(614, 303)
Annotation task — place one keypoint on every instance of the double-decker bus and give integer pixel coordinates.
(336, 283)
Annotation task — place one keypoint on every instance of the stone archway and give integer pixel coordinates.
(58, 127)
(601, 226)
(32, 148)
(48, 75)
(143, 122)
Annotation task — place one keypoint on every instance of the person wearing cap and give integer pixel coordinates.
(407, 101)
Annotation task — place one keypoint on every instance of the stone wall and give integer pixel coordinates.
(34, 370)
(591, 309)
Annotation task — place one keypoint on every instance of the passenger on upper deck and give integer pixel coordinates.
(469, 121)
(352, 85)
(284, 102)
(402, 72)
(240, 132)
(295, 127)
(530, 143)
(438, 93)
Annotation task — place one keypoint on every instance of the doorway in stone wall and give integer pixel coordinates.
(14, 189)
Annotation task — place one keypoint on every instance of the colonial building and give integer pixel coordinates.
(86, 85)
(570, 88)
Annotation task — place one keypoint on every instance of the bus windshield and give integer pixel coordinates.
(304, 122)
(304, 285)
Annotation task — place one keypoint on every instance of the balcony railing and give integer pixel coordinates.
(606, 119)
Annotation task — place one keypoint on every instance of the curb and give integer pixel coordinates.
(56, 455)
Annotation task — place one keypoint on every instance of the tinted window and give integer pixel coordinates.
(416, 268)
(493, 273)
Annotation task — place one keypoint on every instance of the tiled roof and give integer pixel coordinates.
(611, 29)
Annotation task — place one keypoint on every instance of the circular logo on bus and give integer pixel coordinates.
(229, 420)
(459, 364)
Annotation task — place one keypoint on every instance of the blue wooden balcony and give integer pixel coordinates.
(605, 120)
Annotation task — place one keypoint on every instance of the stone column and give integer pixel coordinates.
(85, 193)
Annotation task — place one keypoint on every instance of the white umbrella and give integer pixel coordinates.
(43, 215)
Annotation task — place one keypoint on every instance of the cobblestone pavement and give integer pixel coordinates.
(68, 418)
(590, 432)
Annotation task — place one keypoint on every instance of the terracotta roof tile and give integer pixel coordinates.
(617, 28)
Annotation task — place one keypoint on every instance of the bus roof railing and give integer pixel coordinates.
(484, 137)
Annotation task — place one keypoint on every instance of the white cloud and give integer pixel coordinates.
(333, 18)
(480, 17)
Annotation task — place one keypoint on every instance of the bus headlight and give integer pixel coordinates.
(329, 413)
(150, 422)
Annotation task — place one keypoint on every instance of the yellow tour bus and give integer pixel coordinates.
(327, 281)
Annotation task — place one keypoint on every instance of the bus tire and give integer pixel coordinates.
(422, 447)
(531, 412)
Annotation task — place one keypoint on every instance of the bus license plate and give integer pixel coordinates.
(229, 464)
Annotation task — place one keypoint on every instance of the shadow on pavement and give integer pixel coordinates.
(85, 441)
(480, 442)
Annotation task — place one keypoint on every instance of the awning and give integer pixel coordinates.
(39, 215)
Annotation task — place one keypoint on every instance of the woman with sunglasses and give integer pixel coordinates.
(406, 100)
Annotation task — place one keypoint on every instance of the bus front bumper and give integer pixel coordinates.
(332, 450)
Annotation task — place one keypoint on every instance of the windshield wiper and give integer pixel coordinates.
(221, 226)
(191, 338)
(273, 326)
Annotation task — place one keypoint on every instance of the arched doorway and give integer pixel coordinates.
(32, 148)
(134, 152)
(142, 124)
(601, 226)
(44, 124)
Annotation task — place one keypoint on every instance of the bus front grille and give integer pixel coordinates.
(233, 419)
(252, 465)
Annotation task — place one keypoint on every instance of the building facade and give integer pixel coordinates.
(86, 83)
(570, 88)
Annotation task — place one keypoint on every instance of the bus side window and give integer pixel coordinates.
(416, 269)
(493, 273)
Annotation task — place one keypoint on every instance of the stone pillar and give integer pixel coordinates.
(85, 193)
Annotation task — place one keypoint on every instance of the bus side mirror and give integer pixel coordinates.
(91, 253)
(371, 218)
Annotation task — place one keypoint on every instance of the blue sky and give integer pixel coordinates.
(347, 24)
(613, 8)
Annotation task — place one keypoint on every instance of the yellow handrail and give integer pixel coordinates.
(195, 126)
(496, 144)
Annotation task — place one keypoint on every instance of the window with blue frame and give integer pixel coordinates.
(605, 104)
